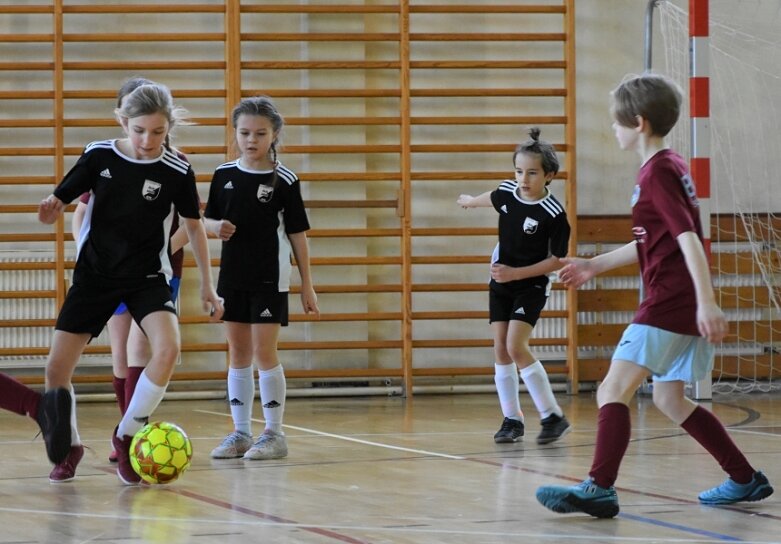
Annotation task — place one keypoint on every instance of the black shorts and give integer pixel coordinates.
(255, 306)
(92, 300)
(506, 304)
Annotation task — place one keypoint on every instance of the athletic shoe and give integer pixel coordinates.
(269, 445)
(66, 470)
(54, 419)
(125, 470)
(510, 431)
(585, 497)
(730, 492)
(112, 457)
(553, 428)
(234, 445)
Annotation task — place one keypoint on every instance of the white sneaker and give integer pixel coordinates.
(269, 445)
(234, 445)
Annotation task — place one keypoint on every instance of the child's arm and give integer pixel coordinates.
(501, 273)
(300, 247)
(178, 240)
(479, 201)
(197, 236)
(578, 271)
(711, 321)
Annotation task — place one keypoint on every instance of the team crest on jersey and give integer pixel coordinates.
(530, 225)
(265, 193)
(151, 189)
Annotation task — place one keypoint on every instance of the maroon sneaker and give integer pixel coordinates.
(66, 470)
(125, 470)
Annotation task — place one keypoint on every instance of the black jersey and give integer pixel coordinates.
(529, 231)
(265, 210)
(126, 227)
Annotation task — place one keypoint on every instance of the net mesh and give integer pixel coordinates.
(745, 116)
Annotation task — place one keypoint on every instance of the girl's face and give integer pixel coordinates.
(254, 136)
(530, 176)
(627, 136)
(146, 134)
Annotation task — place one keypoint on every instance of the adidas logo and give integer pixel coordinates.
(105, 174)
(236, 402)
(520, 311)
(504, 208)
(265, 313)
(272, 404)
(228, 185)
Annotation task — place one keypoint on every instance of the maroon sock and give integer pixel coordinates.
(133, 374)
(706, 429)
(614, 428)
(17, 397)
(119, 390)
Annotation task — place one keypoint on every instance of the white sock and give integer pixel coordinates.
(75, 438)
(241, 395)
(272, 396)
(536, 380)
(145, 399)
(507, 386)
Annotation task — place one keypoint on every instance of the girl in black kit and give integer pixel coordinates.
(135, 182)
(533, 235)
(255, 208)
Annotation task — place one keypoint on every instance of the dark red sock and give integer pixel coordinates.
(17, 397)
(706, 429)
(614, 427)
(119, 390)
(133, 374)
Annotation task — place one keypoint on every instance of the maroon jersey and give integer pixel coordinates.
(664, 205)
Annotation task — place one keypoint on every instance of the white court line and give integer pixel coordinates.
(348, 439)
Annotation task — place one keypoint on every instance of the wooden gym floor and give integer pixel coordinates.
(389, 470)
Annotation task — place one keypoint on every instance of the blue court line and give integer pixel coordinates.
(683, 528)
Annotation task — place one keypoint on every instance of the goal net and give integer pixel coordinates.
(745, 127)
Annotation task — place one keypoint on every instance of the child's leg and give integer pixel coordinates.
(505, 374)
(139, 353)
(271, 380)
(614, 424)
(17, 397)
(704, 427)
(118, 330)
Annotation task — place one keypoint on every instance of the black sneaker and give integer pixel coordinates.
(511, 431)
(553, 428)
(54, 419)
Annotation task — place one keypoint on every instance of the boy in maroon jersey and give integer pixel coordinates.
(672, 335)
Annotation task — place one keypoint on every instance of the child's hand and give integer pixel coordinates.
(309, 302)
(465, 201)
(49, 209)
(226, 230)
(576, 271)
(501, 273)
(711, 322)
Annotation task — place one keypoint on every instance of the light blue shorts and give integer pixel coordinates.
(669, 356)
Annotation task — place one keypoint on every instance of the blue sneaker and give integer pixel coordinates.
(730, 492)
(585, 497)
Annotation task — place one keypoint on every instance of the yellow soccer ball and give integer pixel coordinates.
(160, 452)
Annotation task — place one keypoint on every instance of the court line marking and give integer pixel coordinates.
(349, 439)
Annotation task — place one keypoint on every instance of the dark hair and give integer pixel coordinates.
(655, 98)
(545, 150)
(262, 106)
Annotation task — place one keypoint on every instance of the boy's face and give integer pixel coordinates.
(627, 136)
(530, 176)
